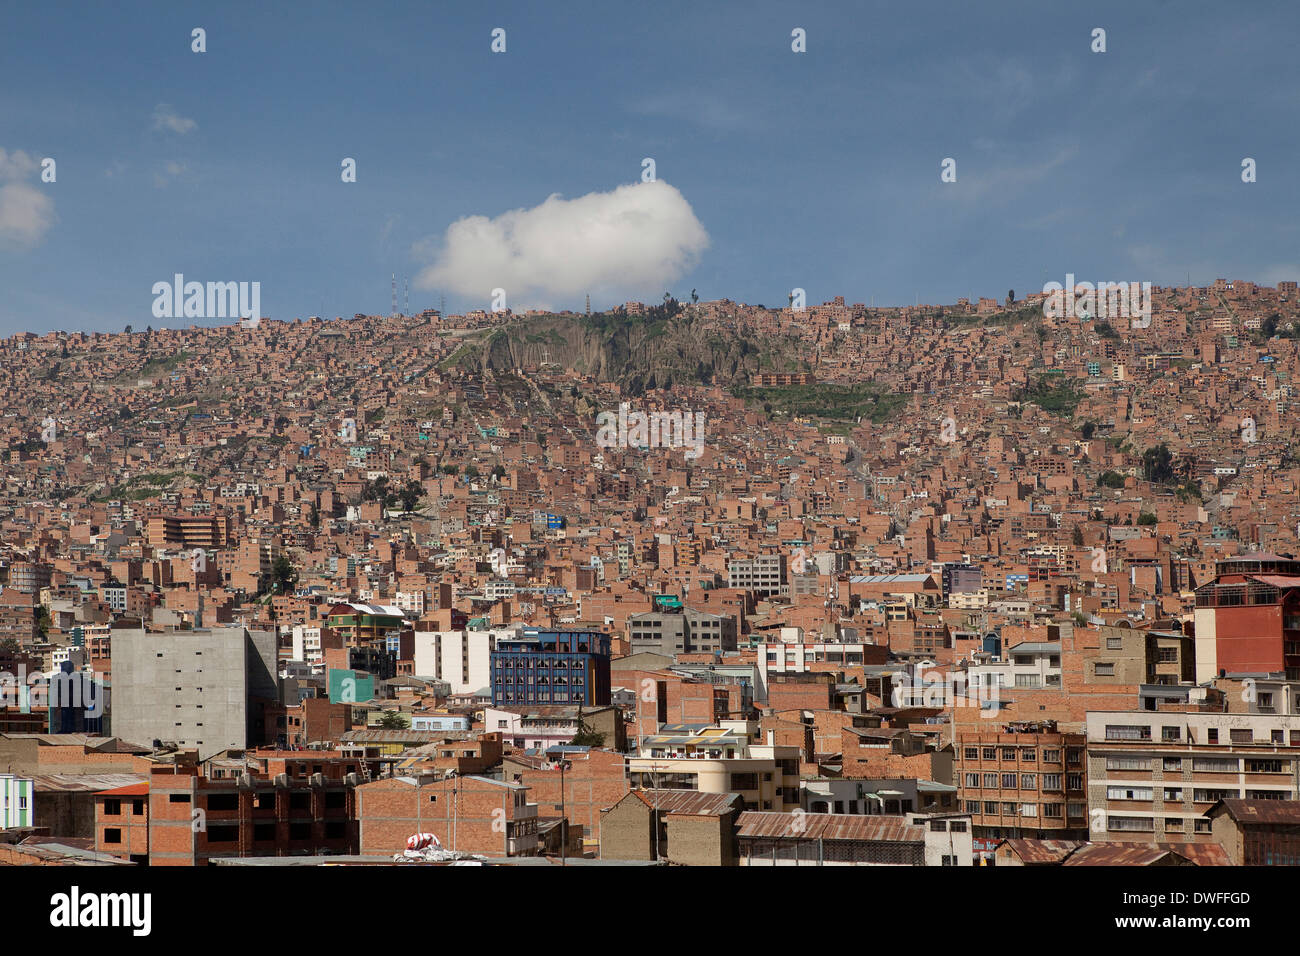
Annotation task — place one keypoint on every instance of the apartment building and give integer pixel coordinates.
(201, 689)
(682, 630)
(1248, 618)
(193, 818)
(187, 531)
(718, 759)
(763, 575)
(1024, 780)
(462, 658)
(1129, 656)
(1154, 775)
(552, 667)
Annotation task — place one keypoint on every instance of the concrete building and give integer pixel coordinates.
(201, 689)
(718, 759)
(462, 658)
(1131, 656)
(681, 631)
(763, 575)
(1154, 775)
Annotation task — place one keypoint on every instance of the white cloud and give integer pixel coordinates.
(17, 165)
(631, 241)
(26, 211)
(164, 117)
(25, 214)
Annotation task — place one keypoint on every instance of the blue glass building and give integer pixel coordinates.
(552, 667)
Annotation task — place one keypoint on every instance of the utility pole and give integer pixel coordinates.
(564, 823)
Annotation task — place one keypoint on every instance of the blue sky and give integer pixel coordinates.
(818, 170)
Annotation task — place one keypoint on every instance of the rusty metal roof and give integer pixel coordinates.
(1202, 854)
(1038, 852)
(1118, 854)
(689, 802)
(874, 828)
(1260, 812)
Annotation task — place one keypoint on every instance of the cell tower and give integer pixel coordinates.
(407, 307)
(394, 312)
(589, 303)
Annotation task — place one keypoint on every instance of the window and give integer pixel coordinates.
(990, 753)
(1053, 811)
(1104, 670)
(990, 781)
(1029, 754)
(1029, 809)
(1074, 781)
(972, 753)
(1245, 736)
(1051, 781)
(1128, 732)
(1137, 824)
(957, 826)
(1008, 753)
(223, 801)
(1171, 733)
(1128, 793)
(1173, 795)
(1215, 764)
(112, 808)
(990, 808)
(744, 781)
(1127, 763)
(938, 826)
(1267, 766)
(1173, 764)
(1008, 781)
(1051, 756)
(973, 780)
(112, 835)
(178, 798)
(1114, 643)
(1212, 735)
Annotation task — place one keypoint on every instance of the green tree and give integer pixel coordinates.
(392, 720)
(283, 575)
(1157, 464)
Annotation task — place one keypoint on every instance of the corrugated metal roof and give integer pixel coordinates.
(1042, 851)
(688, 802)
(860, 828)
(1261, 812)
(1117, 854)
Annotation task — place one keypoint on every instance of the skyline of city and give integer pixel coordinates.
(818, 170)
